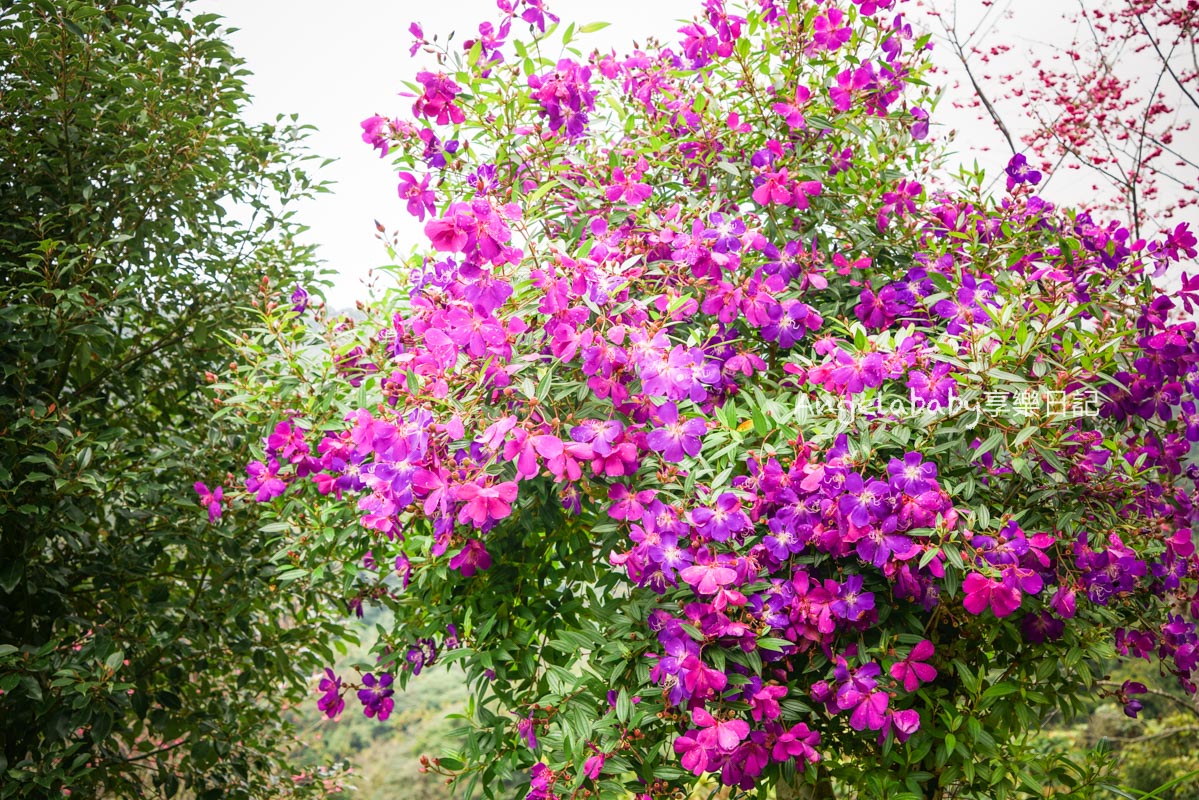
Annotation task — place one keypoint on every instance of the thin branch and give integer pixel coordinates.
(1151, 736)
(978, 90)
(1166, 62)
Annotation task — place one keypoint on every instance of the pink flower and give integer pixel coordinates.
(871, 711)
(452, 233)
(419, 196)
(790, 112)
(719, 735)
(799, 743)
(707, 576)
(374, 133)
(483, 504)
(911, 671)
(902, 723)
(982, 592)
(593, 766)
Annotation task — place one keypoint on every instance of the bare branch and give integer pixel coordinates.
(1166, 62)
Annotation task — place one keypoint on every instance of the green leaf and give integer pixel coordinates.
(624, 706)
(10, 574)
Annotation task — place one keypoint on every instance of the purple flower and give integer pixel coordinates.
(676, 438)
(299, 299)
(375, 696)
(877, 546)
(1132, 707)
(794, 320)
(404, 569)
(852, 603)
(721, 521)
(1041, 626)
(420, 655)
(920, 125)
(527, 728)
(1018, 172)
(912, 476)
(860, 501)
(565, 96)
(331, 702)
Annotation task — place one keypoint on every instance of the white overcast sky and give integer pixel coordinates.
(336, 63)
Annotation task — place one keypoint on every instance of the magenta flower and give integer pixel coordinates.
(453, 232)
(374, 133)
(264, 480)
(719, 735)
(799, 743)
(911, 671)
(593, 766)
(472, 557)
(438, 100)
(791, 112)
(419, 196)
(764, 703)
(1179, 242)
(774, 188)
(827, 32)
(902, 723)
(851, 82)
(541, 783)
(627, 186)
(701, 680)
(694, 755)
(210, 500)
(527, 729)
(871, 711)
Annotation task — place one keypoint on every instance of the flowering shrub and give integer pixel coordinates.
(710, 440)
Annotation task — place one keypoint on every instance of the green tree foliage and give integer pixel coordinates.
(138, 215)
